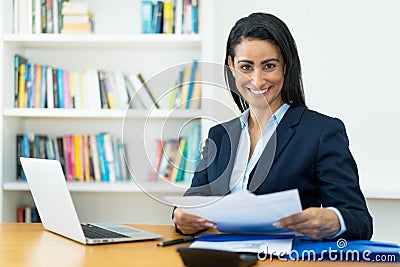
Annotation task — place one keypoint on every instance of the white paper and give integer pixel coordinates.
(267, 246)
(242, 211)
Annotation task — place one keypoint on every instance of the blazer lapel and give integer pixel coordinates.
(275, 146)
(226, 158)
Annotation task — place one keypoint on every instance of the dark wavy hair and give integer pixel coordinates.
(263, 26)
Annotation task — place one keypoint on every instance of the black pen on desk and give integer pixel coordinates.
(176, 241)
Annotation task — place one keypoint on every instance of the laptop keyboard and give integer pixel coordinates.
(94, 232)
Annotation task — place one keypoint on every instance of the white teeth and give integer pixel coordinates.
(258, 92)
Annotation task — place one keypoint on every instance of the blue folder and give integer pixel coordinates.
(304, 248)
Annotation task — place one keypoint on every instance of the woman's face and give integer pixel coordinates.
(258, 68)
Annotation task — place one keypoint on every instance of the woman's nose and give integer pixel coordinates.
(258, 78)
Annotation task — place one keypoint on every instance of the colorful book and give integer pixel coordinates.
(146, 87)
(156, 158)
(18, 60)
(109, 156)
(22, 97)
(102, 158)
(147, 16)
(191, 83)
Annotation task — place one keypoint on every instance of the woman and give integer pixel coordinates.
(277, 143)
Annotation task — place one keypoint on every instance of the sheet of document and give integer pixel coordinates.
(242, 211)
(268, 246)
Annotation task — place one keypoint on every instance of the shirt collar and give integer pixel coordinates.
(277, 116)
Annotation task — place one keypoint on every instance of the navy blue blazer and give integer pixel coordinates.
(309, 151)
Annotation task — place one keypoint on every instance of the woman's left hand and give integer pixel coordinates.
(316, 223)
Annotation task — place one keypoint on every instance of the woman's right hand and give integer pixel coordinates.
(190, 224)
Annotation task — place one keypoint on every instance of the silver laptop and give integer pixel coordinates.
(57, 211)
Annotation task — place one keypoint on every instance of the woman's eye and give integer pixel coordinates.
(270, 66)
(245, 67)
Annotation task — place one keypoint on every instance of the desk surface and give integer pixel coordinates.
(30, 245)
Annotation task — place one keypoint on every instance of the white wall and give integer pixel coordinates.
(350, 54)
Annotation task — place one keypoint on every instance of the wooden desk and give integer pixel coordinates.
(30, 245)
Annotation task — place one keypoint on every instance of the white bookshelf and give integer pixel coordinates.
(112, 48)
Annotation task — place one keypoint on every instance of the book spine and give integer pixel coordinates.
(55, 89)
(147, 16)
(109, 157)
(43, 87)
(95, 158)
(43, 16)
(66, 89)
(155, 164)
(191, 83)
(78, 157)
(19, 154)
(38, 86)
(86, 158)
(102, 158)
(49, 88)
(29, 71)
(60, 88)
(117, 160)
(124, 168)
(21, 86)
(49, 16)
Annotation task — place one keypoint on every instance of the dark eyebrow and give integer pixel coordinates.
(263, 62)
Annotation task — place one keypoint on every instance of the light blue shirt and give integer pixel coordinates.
(243, 167)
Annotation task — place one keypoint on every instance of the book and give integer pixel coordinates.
(134, 99)
(123, 161)
(117, 160)
(146, 87)
(185, 86)
(155, 159)
(169, 149)
(158, 17)
(192, 81)
(109, 157)
(178, 160)
(49, 16)
(109, 89)
(193, 152)
(43, 16)
(42, 101)
(18, 60)
(141, 91)
(94, 153)
(22, 98)
(195, 101)
(79, 166)
(121, 95)
(147, 16)
(178, 17)
(86, 158)
(49, 87)
(102, 158)
(29, 77)
(19, 154)
(168, 17)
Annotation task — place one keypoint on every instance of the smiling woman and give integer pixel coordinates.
(277, 143)
(258, 68)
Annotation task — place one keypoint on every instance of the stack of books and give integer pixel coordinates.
(76, 18)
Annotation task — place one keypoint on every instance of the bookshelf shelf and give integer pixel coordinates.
(120, 187)
(63, 41)
(102, 113)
